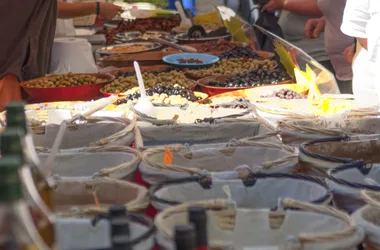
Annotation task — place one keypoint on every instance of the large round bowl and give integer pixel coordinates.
(77, 93)
(213, 90)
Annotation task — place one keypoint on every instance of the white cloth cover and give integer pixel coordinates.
(264, 194)
(215, 160)
(78, 233)
(87, 165)
(347, 198)
(367, 218)
(72, 55)
(252, 230)
(85, 135)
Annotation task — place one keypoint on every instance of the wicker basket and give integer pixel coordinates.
(93, 131)
(315, 227)
(118, 162)
(368, 218)
(318, 156)
(250, 154)
(76, 210)
(256, 190)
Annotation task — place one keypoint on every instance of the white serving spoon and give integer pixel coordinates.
(144, 105)
(185, 22)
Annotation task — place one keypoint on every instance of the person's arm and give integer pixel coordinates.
(303, 7)
(363, 42)
(72, 10)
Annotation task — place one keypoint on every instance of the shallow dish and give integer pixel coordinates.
(206, 59)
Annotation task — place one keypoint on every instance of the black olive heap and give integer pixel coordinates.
(163, 89)
(253, 78)
(286, 94)
(239, 52)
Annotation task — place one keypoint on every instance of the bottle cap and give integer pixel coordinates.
(120, 226)
(184, 237)
(117, 211)
(15, 116)
(10, 143)
(10, 183)
(198, 216)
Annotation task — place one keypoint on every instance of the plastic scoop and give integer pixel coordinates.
(185, 22)
(144, 105)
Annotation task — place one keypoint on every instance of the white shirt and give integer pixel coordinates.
(355, 18)
(357, 22)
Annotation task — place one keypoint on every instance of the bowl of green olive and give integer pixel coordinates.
(66, 87)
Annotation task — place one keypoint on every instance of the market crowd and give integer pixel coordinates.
(340, 34)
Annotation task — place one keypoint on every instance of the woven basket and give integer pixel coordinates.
(74, 197)
(348, 180)
(76, 207)
(256, 190)
(315, 227)
(318, 156)
(368, 217)
(218, 160)
(93, 131)
(118, 162)
(200, 133)
(80, 233)
(299, 131)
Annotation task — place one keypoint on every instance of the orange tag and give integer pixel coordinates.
(168, 156)
(96, 199)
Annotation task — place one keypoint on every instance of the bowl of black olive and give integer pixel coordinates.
(215, 85)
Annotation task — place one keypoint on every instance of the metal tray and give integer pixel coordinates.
(149, 46)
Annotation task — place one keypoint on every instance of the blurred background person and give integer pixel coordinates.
(339, 46)
(293, 18)
(27, 29)
(67, 10)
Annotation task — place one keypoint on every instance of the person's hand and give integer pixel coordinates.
(273, 5)
(349, 53)
(109, 10)
(314, 27)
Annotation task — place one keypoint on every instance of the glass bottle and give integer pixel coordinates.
(198, 217)
(10, 145)
(17, 229)
(16, 119)
(184, 237)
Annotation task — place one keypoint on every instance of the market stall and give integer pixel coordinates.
(210, 124)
